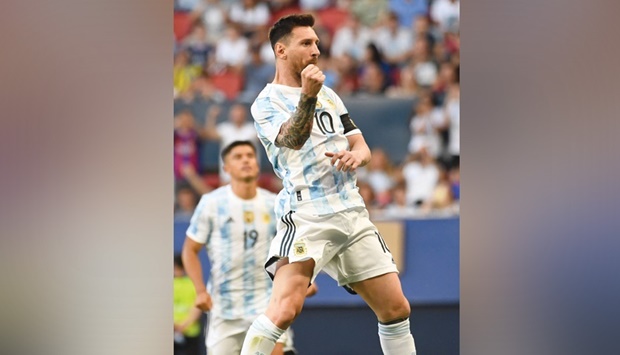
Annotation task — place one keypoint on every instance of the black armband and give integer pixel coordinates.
(348, 123)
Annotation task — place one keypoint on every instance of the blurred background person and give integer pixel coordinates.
(187, 324)
(236, 128)
(420, 175)
(249, 16)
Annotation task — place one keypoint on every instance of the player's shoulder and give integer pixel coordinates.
(266, 194)
(219, 193)
(328, 90)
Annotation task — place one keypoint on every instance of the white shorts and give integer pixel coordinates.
(346, 245)
(225, 336)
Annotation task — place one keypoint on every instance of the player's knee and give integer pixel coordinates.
(396, 310)
(287, 309)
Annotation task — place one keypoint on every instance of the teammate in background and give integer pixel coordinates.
(236, 223)
(323, 224)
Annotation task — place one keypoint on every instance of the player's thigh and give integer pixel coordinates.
(289, 288)
(384, 296)
(365, 255)
(230, 345)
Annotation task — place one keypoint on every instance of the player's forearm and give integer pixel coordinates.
(295, 132)
(360, 148)
(193, 269)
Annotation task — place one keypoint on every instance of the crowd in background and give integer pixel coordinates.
(396, 49)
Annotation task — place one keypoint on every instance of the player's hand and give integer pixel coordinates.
(312, 290)
(203, 301)
(344, 160)
(312, 79)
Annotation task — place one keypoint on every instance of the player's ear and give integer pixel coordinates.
(280, 50)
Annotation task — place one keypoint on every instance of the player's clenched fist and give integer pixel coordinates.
(203, 301)
(312, 79)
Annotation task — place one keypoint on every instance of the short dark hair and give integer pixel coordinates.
(234, 144)
(285, 26)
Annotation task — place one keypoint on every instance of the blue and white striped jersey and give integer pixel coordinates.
(237, 234)
(307, 174)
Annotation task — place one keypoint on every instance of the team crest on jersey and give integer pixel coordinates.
(299, 248)
(266, 218)
(248, 216)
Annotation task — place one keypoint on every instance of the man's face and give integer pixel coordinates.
(302, 48)
(237, 115)
(241, 163)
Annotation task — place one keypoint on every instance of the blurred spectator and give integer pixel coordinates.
(399, 208)
(421, 176)
(261, 40)
(439, 52)
(185, 143)
(186, 139)
(453, 120)
(347, 72)
(446, 14)
(442, 195)
(257, 74)
(183, 73)
(198, 46)
(187, 339)
(232, 49)
(424, 126)
(379, 175)
(407, 87)
(250, 16)
(445, 79)
(351, 39)
(369, 12)
(236, 128)
(373, 80)
(279, 5)
(423, 65)
(455, 182)
(311, 5)
(332, 77)
(394, 40)
(368, 195)
(422, 29)
(408, 10)
(213, 15)
(185, 203)
(452, 43)
(373, 56)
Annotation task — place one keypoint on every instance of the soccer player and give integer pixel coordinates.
(323, 224)
(236, 223)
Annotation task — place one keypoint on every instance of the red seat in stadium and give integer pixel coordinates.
(229, 82)
(333, 18)
(182, 25)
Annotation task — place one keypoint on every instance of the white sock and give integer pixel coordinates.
(396, 339)
(261, 337)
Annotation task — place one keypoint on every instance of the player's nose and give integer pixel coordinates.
(315, 51)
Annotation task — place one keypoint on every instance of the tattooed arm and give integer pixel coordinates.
(296, 131)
